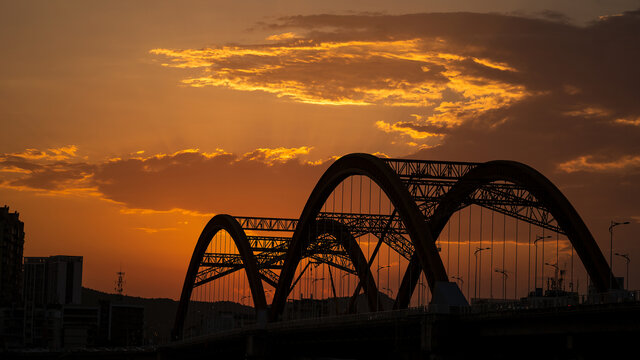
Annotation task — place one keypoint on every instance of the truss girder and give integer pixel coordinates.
(360, 224)
(267, 223)
(424, 169)
(506, 198)
(269, 243)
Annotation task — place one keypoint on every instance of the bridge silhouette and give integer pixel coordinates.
(381, 240)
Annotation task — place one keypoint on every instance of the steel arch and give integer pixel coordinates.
(377, 170)
(539, 186)
(231, 225)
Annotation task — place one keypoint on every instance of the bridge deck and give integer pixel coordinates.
(573, 332)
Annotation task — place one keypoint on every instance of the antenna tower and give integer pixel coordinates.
(120, 283)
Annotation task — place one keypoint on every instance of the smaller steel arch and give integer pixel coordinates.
(539, 186)
(230, 225)
(350, 245)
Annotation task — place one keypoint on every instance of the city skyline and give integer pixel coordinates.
(125, 138)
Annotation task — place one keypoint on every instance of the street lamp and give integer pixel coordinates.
(535, 242)
(628, 260)
(613, 224)
(504, 282)
(378, 281)
(476, 275)
(378, 272)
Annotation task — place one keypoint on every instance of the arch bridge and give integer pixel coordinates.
(379, 234)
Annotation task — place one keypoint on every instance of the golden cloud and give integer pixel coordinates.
(411, 72)
(281, 154)
(404, 130)
(587, 163)
(633, 122)
(61, 153)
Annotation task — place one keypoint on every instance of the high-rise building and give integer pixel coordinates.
(11, 246)
(53, 280)
(53, 315)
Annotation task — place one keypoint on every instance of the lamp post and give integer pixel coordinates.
(535, 276)
(313, 310)
(476, 275)
(613, 224)
(504, 282)
(628, 260)
(378, 282)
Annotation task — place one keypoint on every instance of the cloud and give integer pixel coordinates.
(150, 230)
(410, 71)
(281, 154)
(461, 72)
(283, 36)
(61, 153)
(261, 182)
(405, 128)
(587, 163)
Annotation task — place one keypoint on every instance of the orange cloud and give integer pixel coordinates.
(61, 153)
(633, 122)
(187, 182)
(283, 36)
(150, 230)
(281, 154)
(401, 128)
(410, 72)
(586, 163)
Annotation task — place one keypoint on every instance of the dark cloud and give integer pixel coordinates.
(548, 55)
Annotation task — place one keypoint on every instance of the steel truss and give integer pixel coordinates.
(427, 181)
(425, 195)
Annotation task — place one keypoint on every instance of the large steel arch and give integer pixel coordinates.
(230, 225)
(378, 171)
(539, 186)
(341, 233)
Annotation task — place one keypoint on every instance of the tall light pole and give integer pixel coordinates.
(378, 282)
(613, 224)
(535, 276)
(504, 282)
(477, 277)
(628, 260)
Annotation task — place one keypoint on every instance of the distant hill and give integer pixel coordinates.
(159, 313)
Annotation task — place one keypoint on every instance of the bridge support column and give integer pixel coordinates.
(445, 295)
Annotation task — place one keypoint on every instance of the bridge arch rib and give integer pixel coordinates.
(231, 226)
(351, 247)
(539, 186)
(378, 171)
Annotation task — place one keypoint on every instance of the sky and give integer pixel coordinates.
(124, 126)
